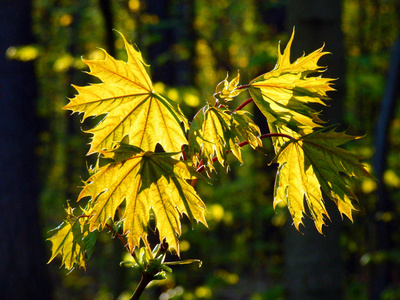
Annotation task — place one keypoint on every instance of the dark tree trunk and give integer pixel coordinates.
(381, 273)
(313, 263)
(171, 52)
(105, 6)
(23, 272)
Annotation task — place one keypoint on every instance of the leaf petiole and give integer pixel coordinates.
(184, 157)
(243, 104)
(120, 238)
(245, 86)
(201, 166)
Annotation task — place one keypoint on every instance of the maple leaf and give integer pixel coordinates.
(229, 89)
(311, 163)
(215, 132)
(282, 95)
(131, 106)
(148, 182)
(245, 127)
(72, 241)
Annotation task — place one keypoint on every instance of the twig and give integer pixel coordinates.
(144, 281)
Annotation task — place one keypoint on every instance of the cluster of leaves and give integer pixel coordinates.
(150, 156)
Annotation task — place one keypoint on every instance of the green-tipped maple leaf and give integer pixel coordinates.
(131, 106)
(311, 163)
(215, 132)
(282, 95)
(72, 241)
(148, 182)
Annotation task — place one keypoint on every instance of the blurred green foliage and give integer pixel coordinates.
(242, 251)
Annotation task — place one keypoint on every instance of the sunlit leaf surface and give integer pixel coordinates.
(310, 165)
(130, 106)
(144, 183)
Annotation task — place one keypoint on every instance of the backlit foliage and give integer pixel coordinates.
(150, 156)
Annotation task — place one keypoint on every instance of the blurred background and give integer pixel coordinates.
(250, 251)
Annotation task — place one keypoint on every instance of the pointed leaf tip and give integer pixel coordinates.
(284, 94)
(130, 107)
(146, 182)
(312, 164)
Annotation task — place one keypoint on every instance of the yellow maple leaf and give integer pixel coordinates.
(131, 106)
(148, 182)
(313, 163)
(229, 90)
(282, 95)
(215, 132)
(69, 241)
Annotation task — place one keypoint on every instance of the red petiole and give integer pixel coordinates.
(244, 104)
(201, 166)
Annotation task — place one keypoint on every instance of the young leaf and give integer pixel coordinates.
(282, 95)
(147, 182)
(216, 137)
(310, 163)
(215, 132)
(131, 106)
(69, 241)
(245, 127)
(229, 90)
